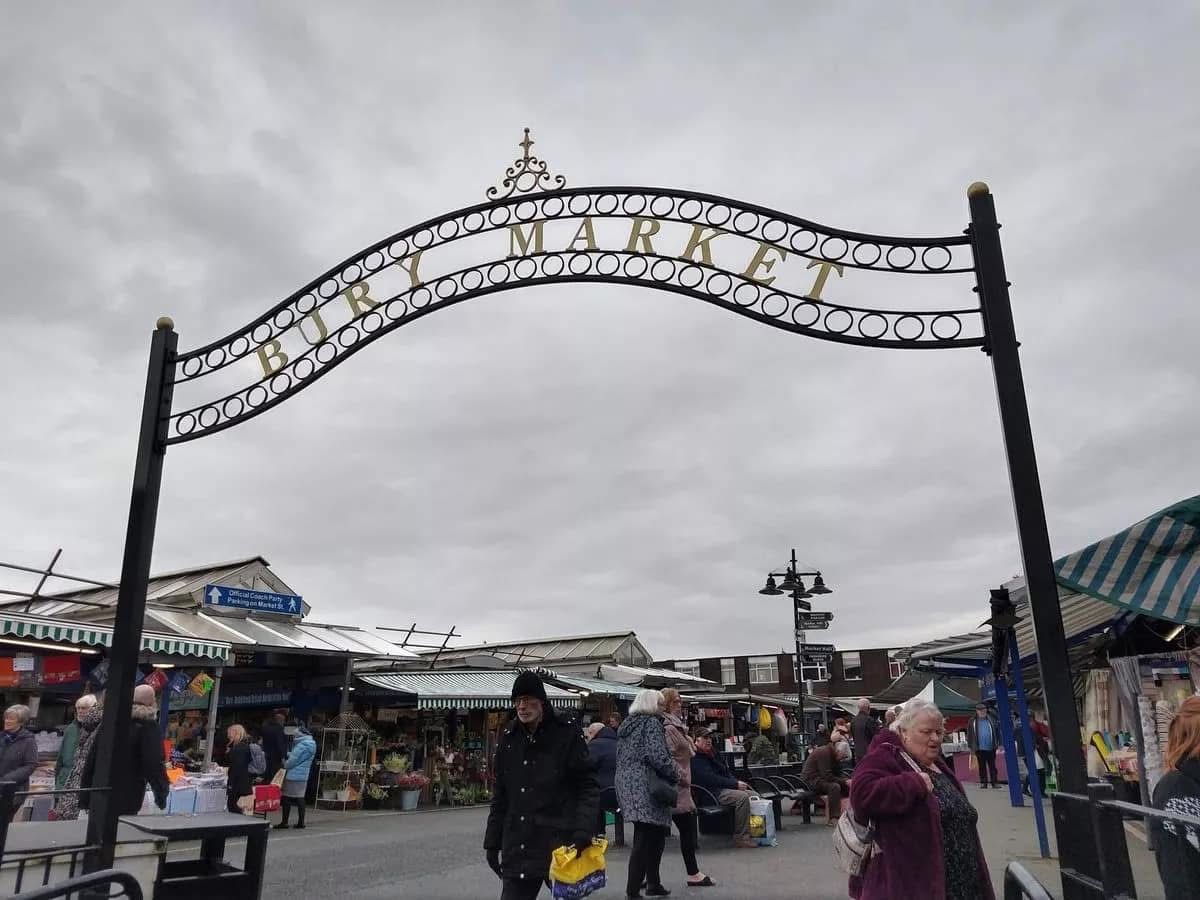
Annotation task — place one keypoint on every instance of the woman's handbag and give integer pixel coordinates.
(278, 779)
(853, 842)
(662, 792)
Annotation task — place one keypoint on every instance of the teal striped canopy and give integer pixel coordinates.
(1152, 567)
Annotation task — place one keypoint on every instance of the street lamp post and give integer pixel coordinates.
(793, 585)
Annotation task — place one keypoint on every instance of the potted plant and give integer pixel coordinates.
(410, 785)
(375, 796)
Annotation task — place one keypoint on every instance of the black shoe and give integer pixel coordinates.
(300, 825)
(658, 891)
(283, 825)
(637, 896)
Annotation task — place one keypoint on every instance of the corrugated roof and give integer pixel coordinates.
(543, 650)
(595, 685)
(276, 634)
(641, 674)
(182, 588)
(461, 690)
(1083, 617)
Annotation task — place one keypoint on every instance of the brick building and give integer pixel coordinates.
(852, 673)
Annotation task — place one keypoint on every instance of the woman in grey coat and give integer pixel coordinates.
(642, 749)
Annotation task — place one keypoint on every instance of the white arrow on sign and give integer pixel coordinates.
(215, 595)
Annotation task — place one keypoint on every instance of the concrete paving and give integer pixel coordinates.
(437, 855)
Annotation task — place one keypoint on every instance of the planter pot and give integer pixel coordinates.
(369, 803)
(408, 799)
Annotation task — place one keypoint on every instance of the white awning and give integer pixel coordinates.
(461, 690)
(42, 628)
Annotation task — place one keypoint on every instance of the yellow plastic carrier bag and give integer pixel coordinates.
(574, 874)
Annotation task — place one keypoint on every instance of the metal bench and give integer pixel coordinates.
(618, 819)
(713, 817)
(802, 795)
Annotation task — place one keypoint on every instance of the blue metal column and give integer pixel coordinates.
(1035, 785)
(1010, 748)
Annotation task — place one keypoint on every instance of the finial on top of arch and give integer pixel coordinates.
(526, 175)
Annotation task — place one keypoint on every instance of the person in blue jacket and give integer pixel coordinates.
(295, 780)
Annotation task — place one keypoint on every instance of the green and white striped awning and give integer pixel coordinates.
(39, 628)
(461, 690)
(1152, 567)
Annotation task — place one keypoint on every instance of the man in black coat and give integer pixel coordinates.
(545, 792)
(274, 744)
(863, 728)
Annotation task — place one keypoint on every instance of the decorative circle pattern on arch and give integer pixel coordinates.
(904, 329)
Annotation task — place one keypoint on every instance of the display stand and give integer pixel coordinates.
(345, 745)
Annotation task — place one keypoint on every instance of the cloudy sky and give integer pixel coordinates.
(588, 458)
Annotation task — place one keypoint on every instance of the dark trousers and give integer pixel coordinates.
(834, 790)
(601, 827)
(521, 888)
(689, 840)
(648, 843)
(987, 763)
(285, 807)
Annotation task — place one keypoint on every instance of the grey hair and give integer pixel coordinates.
(87, 701)
(864, 704)
(646, 703)
(20, 711)
(913, 710)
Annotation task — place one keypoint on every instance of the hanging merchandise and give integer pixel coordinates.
(764, 719)
(779, 724)
(99, 674)
(61, 668)
(8, 677)
(156, 679)
(179, 682)
(201, 684)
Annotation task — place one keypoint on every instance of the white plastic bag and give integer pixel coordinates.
(762, 821)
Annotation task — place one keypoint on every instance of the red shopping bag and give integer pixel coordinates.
(266, 798)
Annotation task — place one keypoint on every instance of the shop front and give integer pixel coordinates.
(436, 731)
(48, 663)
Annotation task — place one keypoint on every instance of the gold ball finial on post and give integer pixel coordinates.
(165, 323)
(978, 187)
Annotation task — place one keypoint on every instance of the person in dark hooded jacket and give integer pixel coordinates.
(139, 752)
(602, 750)
(545, 792)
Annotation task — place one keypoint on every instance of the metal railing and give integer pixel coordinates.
(95, 885)
(37, 866)
(1096, 860)
(1020, 884)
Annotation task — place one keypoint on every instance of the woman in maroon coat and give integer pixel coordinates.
(927, 845)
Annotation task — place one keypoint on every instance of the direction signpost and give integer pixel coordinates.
(817, 653)
(813, 620)
(253, 601)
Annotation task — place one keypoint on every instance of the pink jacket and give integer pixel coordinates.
(682, 750)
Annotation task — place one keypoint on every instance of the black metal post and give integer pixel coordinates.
(1001, 345)
(1112, 850)
(131, 598)
(799, 653)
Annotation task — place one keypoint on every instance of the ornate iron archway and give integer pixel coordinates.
(681, 242)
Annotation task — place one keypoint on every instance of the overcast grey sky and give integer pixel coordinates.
(587, 458)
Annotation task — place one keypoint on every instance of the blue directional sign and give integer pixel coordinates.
(255, 601)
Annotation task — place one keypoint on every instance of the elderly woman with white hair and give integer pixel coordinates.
(644, 765)
(18, 748)
(927, 843)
